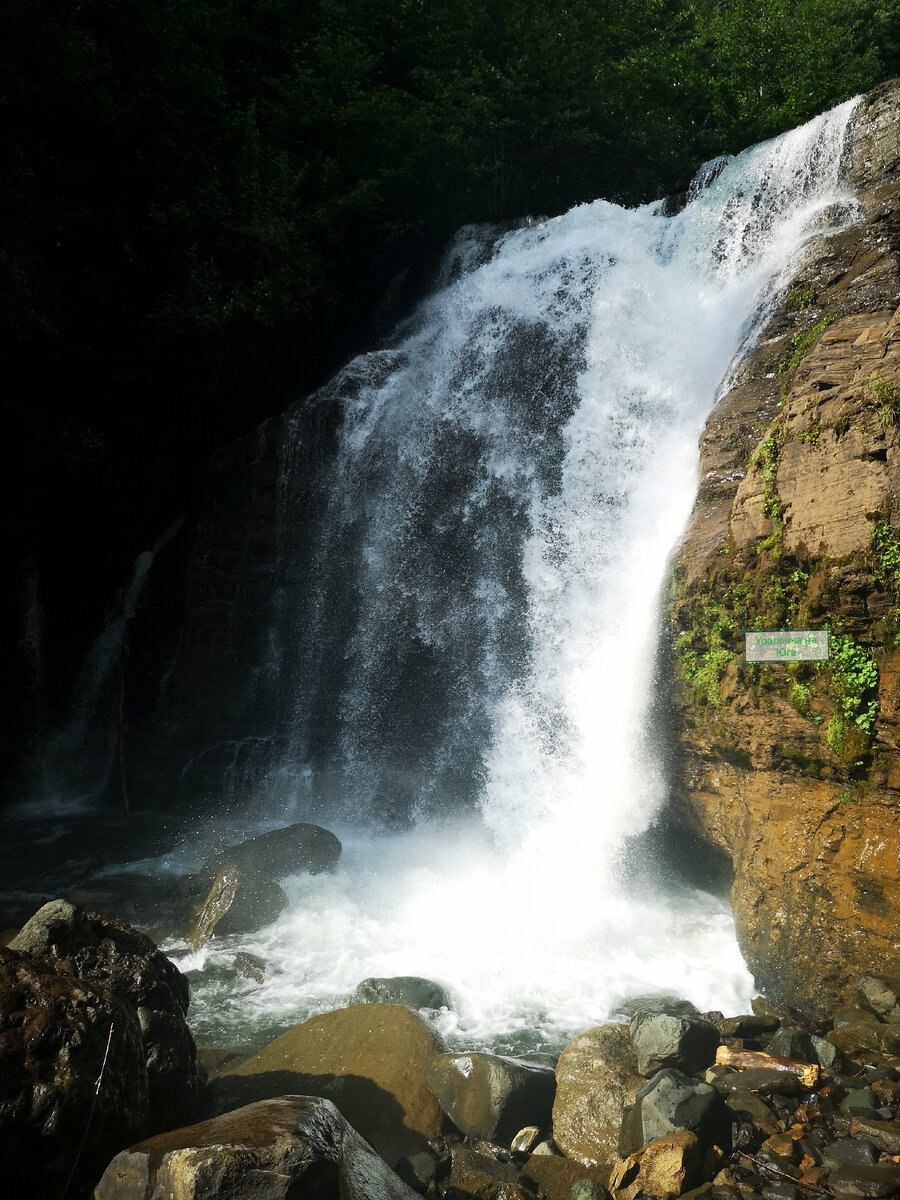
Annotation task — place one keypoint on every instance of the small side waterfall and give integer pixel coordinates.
(81, 757)
(469, 680)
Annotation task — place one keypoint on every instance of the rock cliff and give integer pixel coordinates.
(793, 769)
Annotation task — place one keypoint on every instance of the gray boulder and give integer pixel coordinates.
(110, 953)
(490, 1096)
(661, 1003)
(411, 990)
(881, 995)
(791, 1042)
(662, 1040)
(289, 851)
(670, 1101)
(59, 1035)
(283, 1148)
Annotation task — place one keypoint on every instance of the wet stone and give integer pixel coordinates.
(670, 1005)
(251, 966)
(418, 1170)
(746, 1136)
(763, 1080)
(525, 1140)
(748, 1026)
(780, 1191)
(489, 1095)
(780, 1147)
(881, 1180)
(849, 1152)
(862, 1101)
(411, 990)
(884, 1134)
(793, 1043)
(589, 1189)
(673, 1101)
(663, 1040)
(881, 995)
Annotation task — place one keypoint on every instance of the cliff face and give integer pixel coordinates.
(793, 770)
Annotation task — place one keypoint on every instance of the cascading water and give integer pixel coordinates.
(473, 673)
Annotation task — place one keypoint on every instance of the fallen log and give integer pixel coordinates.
(807, 1073)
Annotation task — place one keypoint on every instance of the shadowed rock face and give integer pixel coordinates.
(108, 953)
(285, 1147)
(793, 771)
(58, 1035)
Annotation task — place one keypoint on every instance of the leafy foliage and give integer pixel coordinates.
(854, 676)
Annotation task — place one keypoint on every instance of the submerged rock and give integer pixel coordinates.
(411, 990)
(369, 1059)
(490, 1096)
(110, 953)
(251, 966)
(282, 1149)
(59, 1036)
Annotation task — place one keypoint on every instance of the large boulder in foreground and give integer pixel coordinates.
(490, 1096)
(596, 1078)
(59, 1035)
(110, 953)
(285, 1148)
(369, 1059)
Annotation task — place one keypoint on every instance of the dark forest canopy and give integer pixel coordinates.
(203, 201)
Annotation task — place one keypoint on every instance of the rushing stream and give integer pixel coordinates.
(471, 677)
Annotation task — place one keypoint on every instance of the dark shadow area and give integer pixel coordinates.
(373, 1112)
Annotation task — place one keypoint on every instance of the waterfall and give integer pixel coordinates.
(470, 674)
(79, 758)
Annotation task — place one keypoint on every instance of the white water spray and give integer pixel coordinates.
(479, 655)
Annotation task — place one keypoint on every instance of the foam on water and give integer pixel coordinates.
(511, 478)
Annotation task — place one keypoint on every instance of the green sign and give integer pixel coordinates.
(785, 645)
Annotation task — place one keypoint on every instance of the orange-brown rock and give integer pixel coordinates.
(596, 1077)
(667, 1166)
(794, 772)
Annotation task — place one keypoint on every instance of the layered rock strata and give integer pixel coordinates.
(792, 769)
